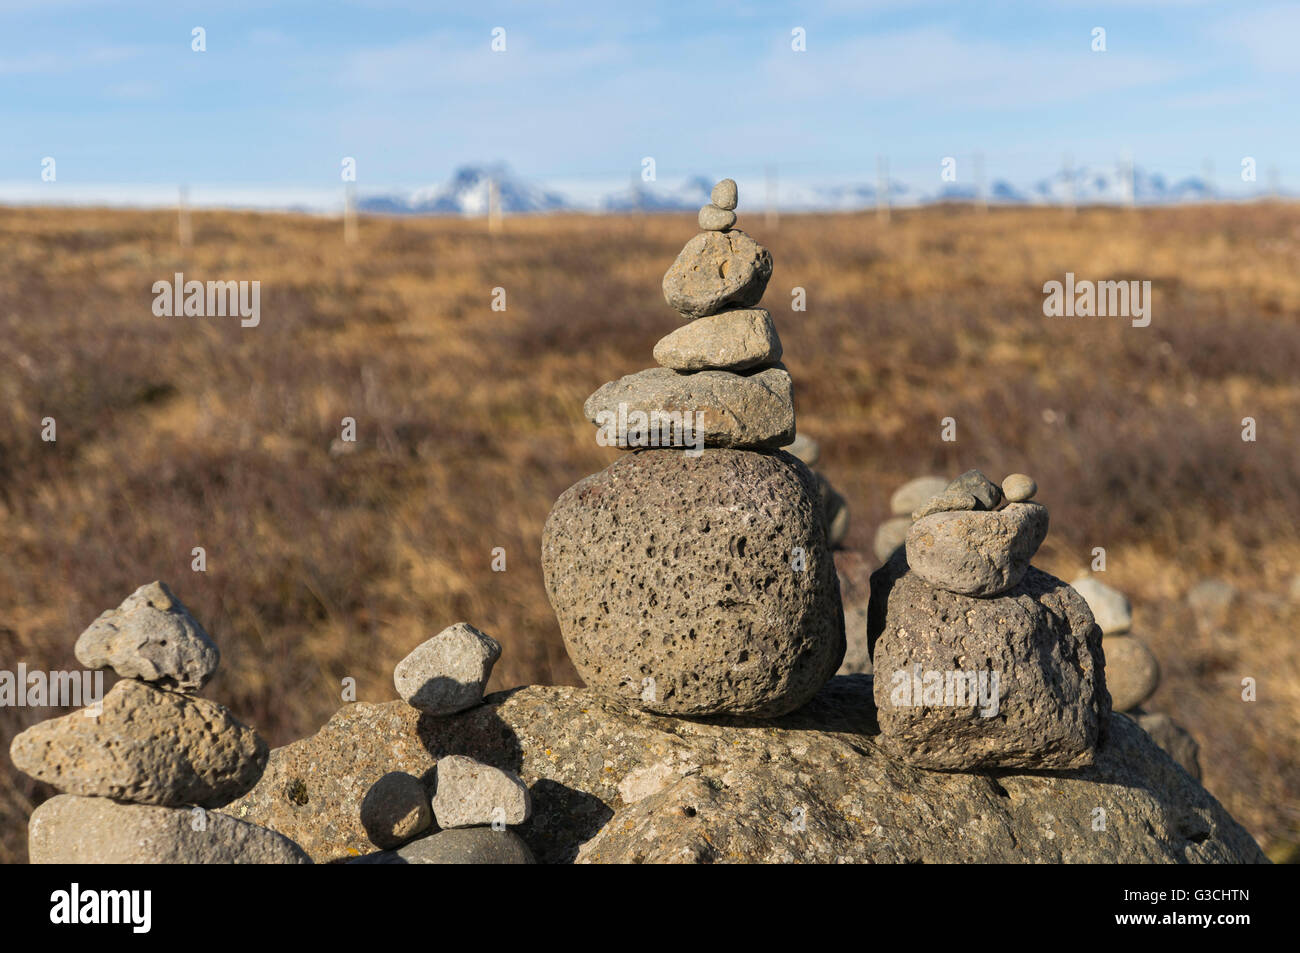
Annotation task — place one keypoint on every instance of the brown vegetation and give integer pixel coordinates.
(328, 563)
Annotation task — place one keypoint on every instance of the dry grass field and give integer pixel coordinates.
(327, 561)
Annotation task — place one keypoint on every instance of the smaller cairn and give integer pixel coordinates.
(449, 672)
(982, 661)
(912, 495)
(139, 770)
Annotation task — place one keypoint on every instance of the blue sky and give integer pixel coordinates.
(583, 92)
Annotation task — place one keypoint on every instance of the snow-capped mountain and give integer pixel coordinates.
(656, 197)
(468, 194)
(1111, 186)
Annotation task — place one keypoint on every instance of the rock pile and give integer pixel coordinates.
(695, 578)
(140, 768)
(1132, 672)
(980, 660)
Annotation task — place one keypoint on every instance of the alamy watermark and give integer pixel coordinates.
(655, 428)
(212, 299)
(1102, 299)
(932, 688)
(59, 689)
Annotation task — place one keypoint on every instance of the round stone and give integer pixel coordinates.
(697, 585)
(1132, 672)
(717, 271)
(395, 809)
(1110, 607)
(1018, 488)
(724, 194)
(914, 494)
(809, 451)
(890, 535)
(714, 219)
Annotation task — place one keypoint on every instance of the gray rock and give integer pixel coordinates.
(716, 271)
(1046, 709)
(724, 194)
(1175, 741)
(148, 746)
(68, 829)
(977, 553)
(914, 494)
(1110, 607)
(447, 673)
(949, 501)
(1018, 488)
(714, 219)
(835, 511)
(809, 451)
(1132, 672)
(470, 794)
(727, 341)
(890, 535)
(395, 809)
(471, 845)
(754, 409)
(985, 491)
(854, 572)
(676, 582)
(578, 752)
(153, 638)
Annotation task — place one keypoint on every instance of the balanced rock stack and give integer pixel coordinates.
(142, 767)
(692, 576)
(1132, 672)
(835, 509)
(982, 661)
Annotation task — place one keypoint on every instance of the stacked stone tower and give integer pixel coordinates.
(693, 575)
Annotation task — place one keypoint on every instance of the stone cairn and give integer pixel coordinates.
(140, 770)
(693, 576)
(981, 660)
(1132, 672)
(466, 821)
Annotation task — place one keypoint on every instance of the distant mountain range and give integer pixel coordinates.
(468, 194)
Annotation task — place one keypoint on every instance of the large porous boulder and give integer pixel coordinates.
(696, 585)
(152, 637)
(813, 786)
(716, 271)
(968, 684)
(68, 829)
(148, 746)
(659, 407)
(977, 553)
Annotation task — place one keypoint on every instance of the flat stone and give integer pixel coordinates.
(985, 491)
(696, 585)
(890, 535)
(949, 501)
(68, 829)
(717, 271)
(395, 809)
(470, 845)
(1046, 709)
(1018, 488)
(1110, 607)
(447, 673)
(148, 746)
(724, 194)
(809, 451)
(577, 750)
(726, 341)
(714, 219)
(153, 638)
(977, 553)
(914, 494)
(754, 409)
(1170, 736)
(1132, 672)
(470, 794)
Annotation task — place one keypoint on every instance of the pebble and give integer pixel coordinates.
(714, 219)
(468, 845)
(985, 491)
(726, 341)
(1110, 607)
(470, 794)
(977, 553)
(153, 638)
(914, 494)
(724, 194)
(949, 501)
(1132, 672)
(449, 672)
(1018, 488)
(395, 809)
